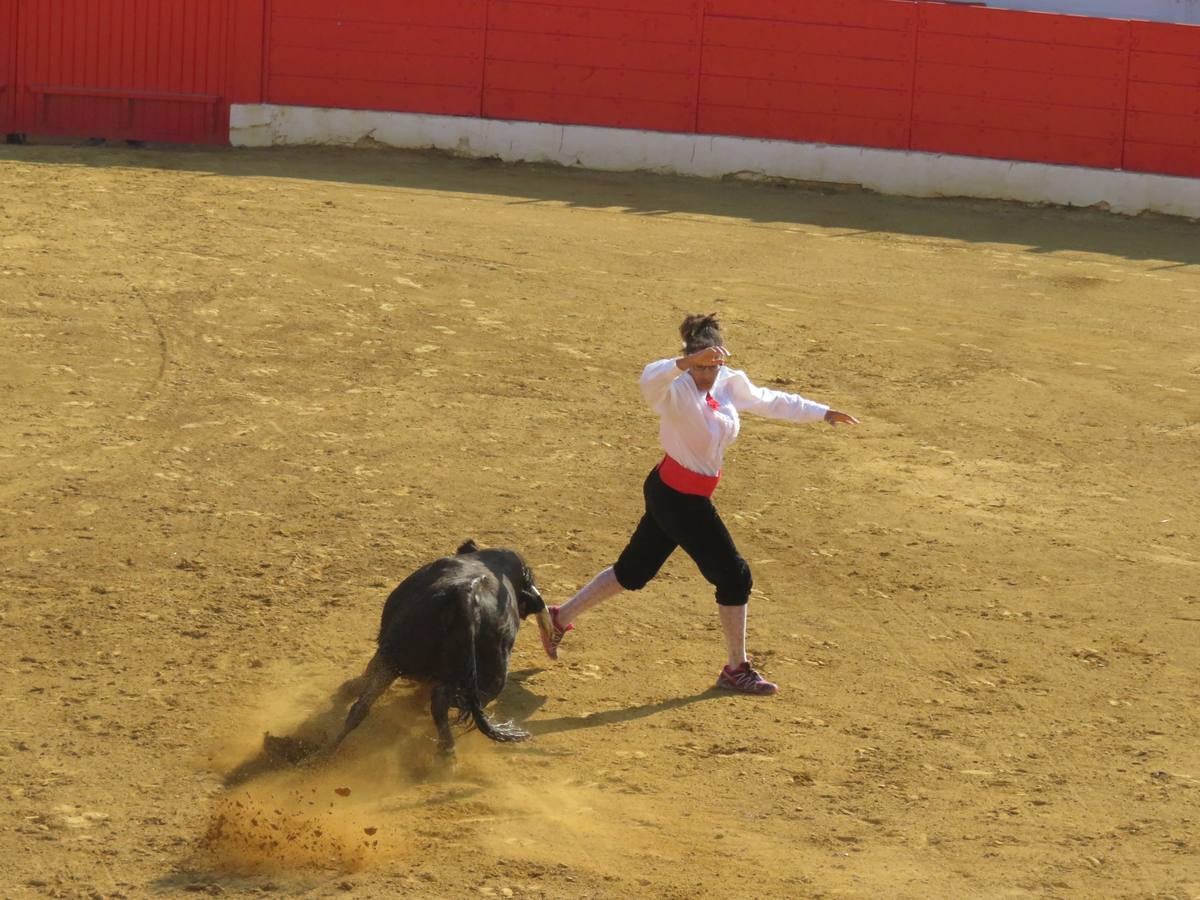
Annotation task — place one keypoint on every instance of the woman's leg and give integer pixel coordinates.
(592, 594)
(696, 525)
(639, 562)
(644, 554)
(733, 624)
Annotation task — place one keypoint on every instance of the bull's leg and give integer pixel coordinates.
(442, 698)
(374, 682)
(349, 690)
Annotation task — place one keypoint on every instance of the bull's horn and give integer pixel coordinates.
(546, 626)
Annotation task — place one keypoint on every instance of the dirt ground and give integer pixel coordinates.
(244, 393)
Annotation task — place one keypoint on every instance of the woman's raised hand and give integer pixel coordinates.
(706, 356)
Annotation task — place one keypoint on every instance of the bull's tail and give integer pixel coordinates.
(469, 690)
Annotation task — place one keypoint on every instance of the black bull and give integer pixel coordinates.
(452, 623)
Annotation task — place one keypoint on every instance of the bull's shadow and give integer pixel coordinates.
(407, 708)
(519, 703)
(304, 744)
(400, 719)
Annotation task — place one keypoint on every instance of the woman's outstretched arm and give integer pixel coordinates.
(749, 397)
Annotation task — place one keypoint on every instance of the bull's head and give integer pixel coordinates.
(529, 600)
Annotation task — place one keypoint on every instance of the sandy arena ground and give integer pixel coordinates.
(245, 393)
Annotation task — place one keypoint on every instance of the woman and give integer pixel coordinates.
(697, 399)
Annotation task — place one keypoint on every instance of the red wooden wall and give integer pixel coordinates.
(1031, 86)
(623, 63)
(246, 49)
(1162, 129)
(899, 74)
(903, 74)
(412, 55)
(8, 65)
(838, 73)
(145, 69)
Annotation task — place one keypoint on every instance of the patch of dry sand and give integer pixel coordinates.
(246, 393)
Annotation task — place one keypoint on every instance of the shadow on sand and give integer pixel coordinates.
(519, 703)
(1040, 229)
(239, 851)
(305, 743)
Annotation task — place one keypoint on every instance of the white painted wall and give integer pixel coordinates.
(615, 149)
(1186, 11)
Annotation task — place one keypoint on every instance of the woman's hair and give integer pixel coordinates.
(700, 331)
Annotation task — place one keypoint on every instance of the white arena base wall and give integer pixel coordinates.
(906, 173)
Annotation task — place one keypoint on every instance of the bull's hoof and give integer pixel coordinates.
(288, 750)
(445, 762)
(276, 753)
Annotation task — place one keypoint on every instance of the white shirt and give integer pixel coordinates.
(695, 434)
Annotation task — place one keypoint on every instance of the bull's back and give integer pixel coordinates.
(424, 631)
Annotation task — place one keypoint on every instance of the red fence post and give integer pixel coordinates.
(1125, 95)
(268, 43)
(483, 63)
(912, 87)
(699, 68)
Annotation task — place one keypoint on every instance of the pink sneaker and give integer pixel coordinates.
(550, 642)
(745, 680)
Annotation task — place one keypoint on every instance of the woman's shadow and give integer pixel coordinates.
(519, 703)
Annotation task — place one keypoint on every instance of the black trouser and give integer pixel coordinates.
(689, 521)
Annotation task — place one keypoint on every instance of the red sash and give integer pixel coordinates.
(686, 481)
